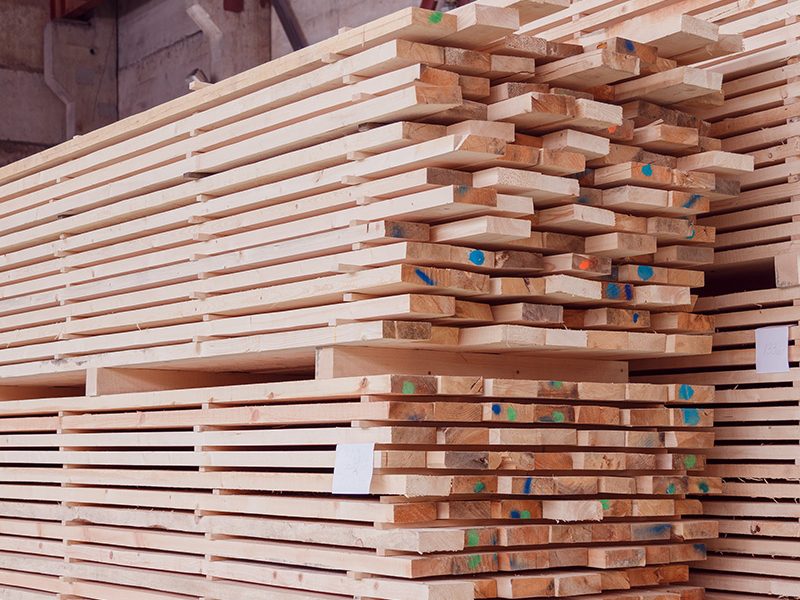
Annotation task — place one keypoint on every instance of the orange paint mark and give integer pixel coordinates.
(585, 264)
(612, 129)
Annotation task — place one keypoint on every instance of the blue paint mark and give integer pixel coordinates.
(685, 392)
(661, 528)
(583, 200)
(496, 409)
(700, 548)
(477, 257)
(396, 231)
(691, 416)
(528, 485)
(692, 201)
(613, 291)
(635, 317)
(644, 272)
(629, 46)
(647, 170)
(515, 514)
(628, 291)
(493, 539)
(462, 189)
(424, 276)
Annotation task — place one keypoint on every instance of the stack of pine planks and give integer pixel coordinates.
(753, 284)
(443, 234)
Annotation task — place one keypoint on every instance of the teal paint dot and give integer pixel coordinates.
(692, 233)
(436, 17)
(606, 504)
(703, 487)
(409, 387)
(645, 272)
(689, 461)
(691, 416)
(671, 488)
(647, 170)
(525, 514)
(473, 539)
(479, 487)
(496, 409)
(512, 413)
(556, 384)
(613, 291)
(477, 257)
(558, 416)
(474, 561)
(685, 392)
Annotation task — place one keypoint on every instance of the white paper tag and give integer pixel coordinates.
(352, 471)
(772, 349)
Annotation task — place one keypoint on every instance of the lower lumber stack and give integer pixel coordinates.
(482, 488)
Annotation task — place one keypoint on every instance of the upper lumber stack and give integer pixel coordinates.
(408, 212)
(753, 283)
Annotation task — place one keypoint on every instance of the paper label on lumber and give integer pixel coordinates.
(772, 349)
(352, 471)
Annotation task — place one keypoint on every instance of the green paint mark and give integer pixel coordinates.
(556, 384)
(436, 17)
(690, 460)
(606, 504)
(512, 413)
(479, 487)
(474, 561)
(703, 487)
(473, 538)
(525, 514)
(558, 416)
(671, 488)
(409, 387)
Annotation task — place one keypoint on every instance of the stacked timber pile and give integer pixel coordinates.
(754, 284)
(429, 235)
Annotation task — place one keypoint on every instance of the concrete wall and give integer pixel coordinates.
(160, 46)
(321, 19)
(24, 91)
(130, 55)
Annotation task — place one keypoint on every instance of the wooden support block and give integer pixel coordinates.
(104, 381)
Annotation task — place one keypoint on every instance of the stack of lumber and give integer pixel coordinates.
(482, 488)
(754, 283)
(438, 233)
